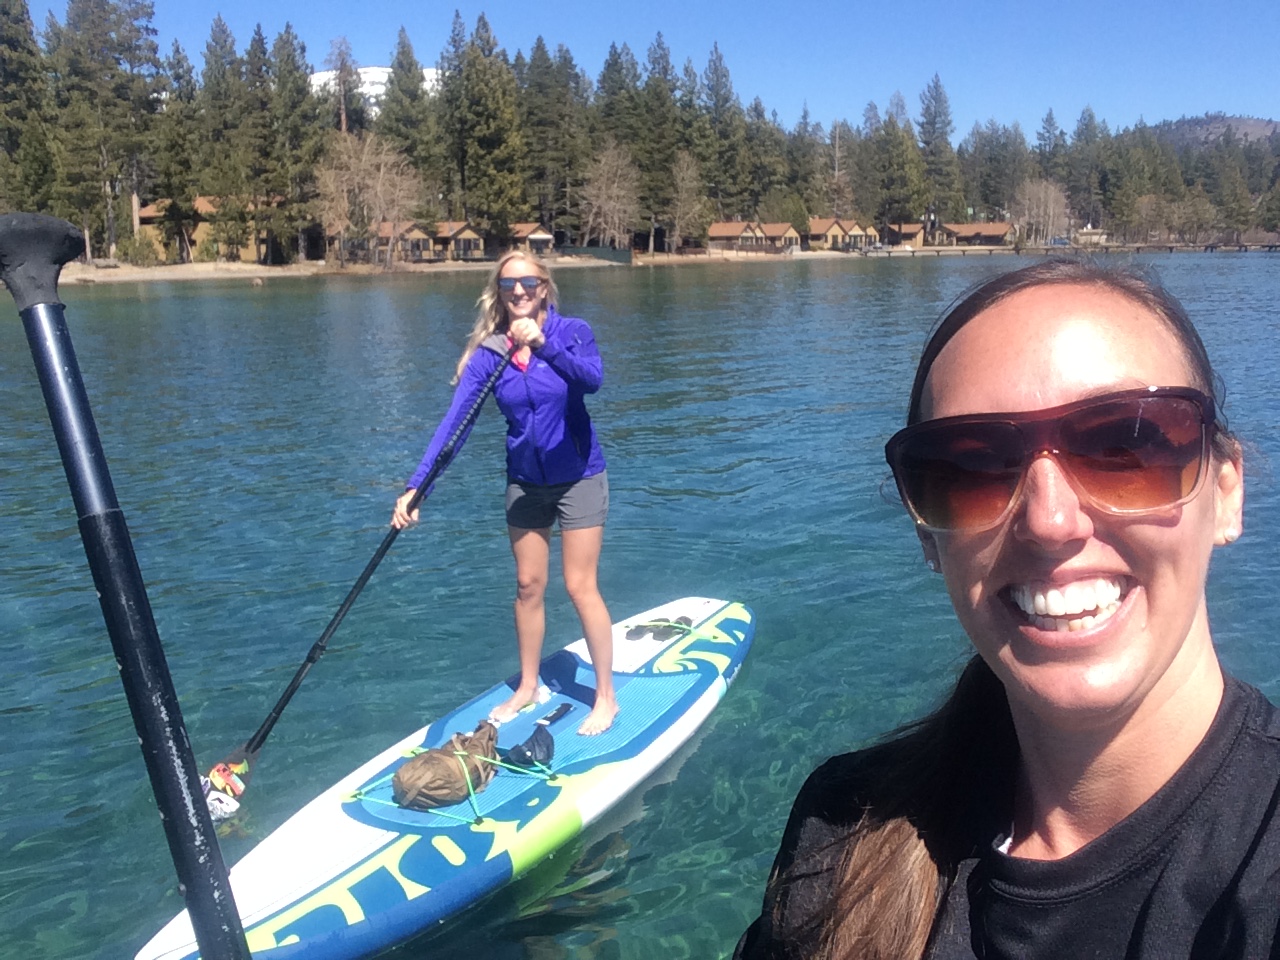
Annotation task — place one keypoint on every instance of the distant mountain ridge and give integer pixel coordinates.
(1211, 127)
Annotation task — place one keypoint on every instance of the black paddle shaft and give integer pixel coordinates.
(33, 249)
(443, 459)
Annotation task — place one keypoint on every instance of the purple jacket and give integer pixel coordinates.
(550, 438)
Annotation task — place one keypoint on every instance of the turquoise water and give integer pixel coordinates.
(257, 438)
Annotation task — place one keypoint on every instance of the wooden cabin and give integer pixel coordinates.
(782, 237)
(904, 234)
(735, 235)
(857, 237)
(151, 226)
(978, 234)
(531, 238)
(457, 240)
(826, 233)
(402, 240)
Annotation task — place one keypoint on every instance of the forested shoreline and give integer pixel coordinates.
(95, 124)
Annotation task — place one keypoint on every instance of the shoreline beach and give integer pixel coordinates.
(78, 273)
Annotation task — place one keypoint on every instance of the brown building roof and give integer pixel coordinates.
(823, 225)
(776, 231)
(526, 231)
(970, 231)
(448, 229)
(406, 229)
(728, 230)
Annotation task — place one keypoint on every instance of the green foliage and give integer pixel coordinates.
(206, 251)
(139, 251)
(903, 191)
(21, 74)
(94, 121)
(942, 167)
(726, 167)
(492, 147)
(784, 206)
(297, 145)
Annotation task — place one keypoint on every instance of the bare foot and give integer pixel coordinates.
(600, 718)
(509, 709)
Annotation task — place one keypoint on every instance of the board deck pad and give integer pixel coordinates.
(353, 873)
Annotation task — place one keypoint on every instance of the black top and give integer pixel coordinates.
(1194, 872)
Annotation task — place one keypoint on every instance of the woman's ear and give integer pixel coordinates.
(930, 547)
(1228, 480)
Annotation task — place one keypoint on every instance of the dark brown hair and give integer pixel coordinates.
(939, 777)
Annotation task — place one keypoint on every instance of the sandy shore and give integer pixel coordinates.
(82, 273)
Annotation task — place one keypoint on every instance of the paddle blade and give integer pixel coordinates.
(226, 783)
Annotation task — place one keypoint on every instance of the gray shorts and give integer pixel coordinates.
(577, 505)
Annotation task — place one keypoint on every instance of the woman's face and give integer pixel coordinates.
(520, 301)
(1040, 348)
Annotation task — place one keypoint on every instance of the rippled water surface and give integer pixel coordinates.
(257, 438)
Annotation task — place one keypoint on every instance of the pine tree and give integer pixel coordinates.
(495, 151)
(105, 67)
(1051, 149)
(655, 152)
(453, 119)
(299, 128)
(727, 173)
(806, 167)
(221, 108)
(942, 169)
(903, 192)
(572, 152)
(177, 148)
(1084, 169)
(766, 149)
(350, 113)
(26, 161)
(21, 74)
(695, 135)
(255, 142)
(539, 104)
(403, 115)
(618, 97)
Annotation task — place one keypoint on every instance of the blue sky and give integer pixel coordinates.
(1127, 59)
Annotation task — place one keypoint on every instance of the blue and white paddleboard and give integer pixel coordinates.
(353, 873)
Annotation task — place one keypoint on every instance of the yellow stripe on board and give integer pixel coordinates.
(262, 936)
(679, 657)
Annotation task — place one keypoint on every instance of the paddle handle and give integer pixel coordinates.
(443, 459)
(33, 249)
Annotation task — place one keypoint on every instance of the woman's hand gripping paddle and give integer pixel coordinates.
(227, 780)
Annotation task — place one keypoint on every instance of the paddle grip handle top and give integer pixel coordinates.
(33, 249)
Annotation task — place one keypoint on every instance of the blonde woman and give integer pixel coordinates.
(555, 468)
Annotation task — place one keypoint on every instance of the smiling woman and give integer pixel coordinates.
(555, 467)
(1094, 786)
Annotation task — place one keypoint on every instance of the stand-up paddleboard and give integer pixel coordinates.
(353, 873)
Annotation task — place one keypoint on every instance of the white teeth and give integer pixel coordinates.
(1074, 606)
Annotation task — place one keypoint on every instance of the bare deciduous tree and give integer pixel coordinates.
(365, 182)
(690, 212)
(611, 198)
(1040, 208)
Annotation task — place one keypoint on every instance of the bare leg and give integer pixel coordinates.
(532, 550)
(581, 554)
